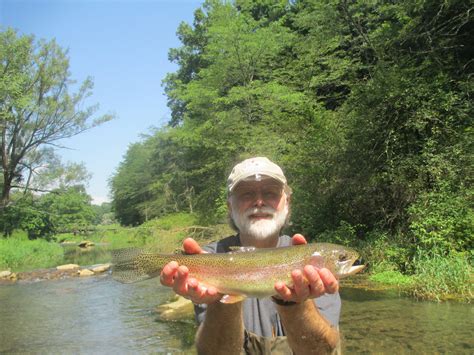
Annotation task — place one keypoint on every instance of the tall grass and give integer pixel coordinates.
(441, 278)
(17, 253)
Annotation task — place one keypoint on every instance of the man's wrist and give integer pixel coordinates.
(282, 302)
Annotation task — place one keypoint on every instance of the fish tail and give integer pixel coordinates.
(133, 265)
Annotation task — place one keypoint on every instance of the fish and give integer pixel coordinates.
(242, 272)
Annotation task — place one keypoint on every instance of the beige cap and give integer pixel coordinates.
(256, 168)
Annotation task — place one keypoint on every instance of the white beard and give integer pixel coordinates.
(260, 229)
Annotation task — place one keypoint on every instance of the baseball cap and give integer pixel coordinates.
(256, 168)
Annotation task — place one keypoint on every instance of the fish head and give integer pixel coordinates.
(338, 259)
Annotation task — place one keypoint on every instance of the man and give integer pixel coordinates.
(302, 317)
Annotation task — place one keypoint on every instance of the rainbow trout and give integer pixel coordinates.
(243, 271)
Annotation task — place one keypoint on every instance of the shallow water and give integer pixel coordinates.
(88, 316)
(98, 315)
(384, 323)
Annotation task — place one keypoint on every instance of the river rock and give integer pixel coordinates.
(85, 272)
(100, 268)
(85, 244)
(67, 267)
(180, 309)
(7, 276)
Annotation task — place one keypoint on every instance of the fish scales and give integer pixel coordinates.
(243, 273)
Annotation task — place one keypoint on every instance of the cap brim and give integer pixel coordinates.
(247, 177)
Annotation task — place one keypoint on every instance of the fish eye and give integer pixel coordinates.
(343, 257)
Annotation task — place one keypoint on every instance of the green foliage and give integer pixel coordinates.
(64, 209)
(440, 278)
(68, 209)
(36, 107)
(442, 221)
(366, 106)
(25, 213)
(392, 277)
(172, 221)
(18, 253)
(103, 214)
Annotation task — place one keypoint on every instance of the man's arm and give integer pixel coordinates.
(307, 331)
(222, 331)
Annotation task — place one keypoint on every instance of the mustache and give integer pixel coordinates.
(263, 210)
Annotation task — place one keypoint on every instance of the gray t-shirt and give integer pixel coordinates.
(260, 315)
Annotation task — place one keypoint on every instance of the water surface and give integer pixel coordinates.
(98, 315)
(87, 316)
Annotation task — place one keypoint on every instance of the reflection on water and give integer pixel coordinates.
(382, 322)
(86, 256)
(98, 315)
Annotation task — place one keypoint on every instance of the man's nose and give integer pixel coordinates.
(259, 201)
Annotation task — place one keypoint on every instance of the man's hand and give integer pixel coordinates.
(309, 283)
(177, 276)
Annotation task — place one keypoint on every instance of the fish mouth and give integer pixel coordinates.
(347, 268)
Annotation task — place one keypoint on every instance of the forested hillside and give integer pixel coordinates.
(367, 105)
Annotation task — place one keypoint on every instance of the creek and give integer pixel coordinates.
(99, 315)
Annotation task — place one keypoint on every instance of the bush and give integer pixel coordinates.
(442, 221)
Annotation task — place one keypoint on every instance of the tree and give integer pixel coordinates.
(36, 107)
(68, 208)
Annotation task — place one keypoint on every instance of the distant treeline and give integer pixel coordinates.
(367, 106)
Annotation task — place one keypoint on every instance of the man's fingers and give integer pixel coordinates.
(283, 291)
(330, 282)
(180, 285)
(168, 273)
(300, 284)
(298, 239)
(190, 246)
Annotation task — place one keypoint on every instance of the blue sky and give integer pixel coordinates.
(123, 45)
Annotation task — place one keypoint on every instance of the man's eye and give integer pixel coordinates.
(269, 195)
(247, 195)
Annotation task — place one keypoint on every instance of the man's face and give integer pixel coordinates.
(259, 208)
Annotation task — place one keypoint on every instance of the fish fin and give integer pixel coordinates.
(241, 249)
(230, 299)
(125, 266)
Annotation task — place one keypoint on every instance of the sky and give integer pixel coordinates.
(123, 45)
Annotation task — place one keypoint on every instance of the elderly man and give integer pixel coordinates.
(300, 318)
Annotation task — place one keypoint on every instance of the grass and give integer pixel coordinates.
(17, 253)
(392, 277)
(165, 235)
(439, 278)
(442, 278)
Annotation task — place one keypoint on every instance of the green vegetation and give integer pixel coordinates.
(17, 253)
(367, 106)
(443, 277)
